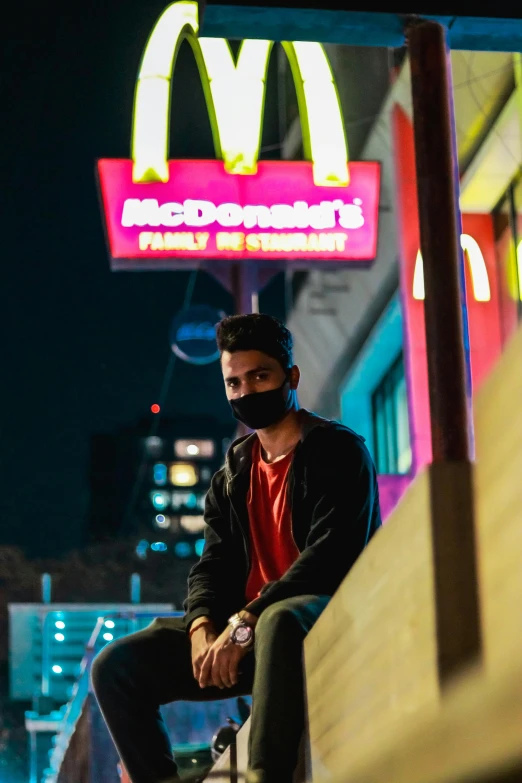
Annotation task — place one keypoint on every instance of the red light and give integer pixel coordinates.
(155, 408)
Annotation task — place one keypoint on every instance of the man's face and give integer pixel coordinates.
(248, 372)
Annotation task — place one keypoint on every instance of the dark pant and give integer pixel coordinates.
(134, 675)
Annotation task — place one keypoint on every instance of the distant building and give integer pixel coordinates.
(150, 482)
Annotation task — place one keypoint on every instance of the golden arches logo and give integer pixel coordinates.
(235, 95)
(479, 272)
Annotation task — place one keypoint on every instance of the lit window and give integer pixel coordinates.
(183, 474)
(206, 474)
(390, 422)
(199, 546)
(154, 446)
(60, 624)
(59, 637)
(183, 549)
(160, 500)
(57, 669)
(193, 524)
(160, 474)
(159, 546)
(180, 500)
(194, 448)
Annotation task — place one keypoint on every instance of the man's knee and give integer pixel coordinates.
(277, 618)
(296, 615)
(110, 663)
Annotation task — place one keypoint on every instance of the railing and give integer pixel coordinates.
(81, 688)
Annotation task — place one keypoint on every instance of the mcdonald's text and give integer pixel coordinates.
(277, 213)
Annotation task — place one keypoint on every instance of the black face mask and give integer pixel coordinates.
(262, 409)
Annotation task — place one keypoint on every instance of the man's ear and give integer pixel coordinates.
(295, 377)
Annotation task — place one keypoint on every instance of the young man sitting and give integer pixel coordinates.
(286, 518)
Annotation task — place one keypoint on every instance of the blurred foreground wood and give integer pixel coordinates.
(378, 710)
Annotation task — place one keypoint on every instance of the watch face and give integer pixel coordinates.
(242, 634)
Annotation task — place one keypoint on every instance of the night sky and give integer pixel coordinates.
(83, 349)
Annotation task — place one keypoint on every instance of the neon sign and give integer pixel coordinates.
(204, 212)
(235, 95)
(236, 207)
(479, 272)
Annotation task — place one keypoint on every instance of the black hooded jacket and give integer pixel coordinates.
(335, 511)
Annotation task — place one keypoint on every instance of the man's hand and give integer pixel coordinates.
(202, 640)
(220, 667)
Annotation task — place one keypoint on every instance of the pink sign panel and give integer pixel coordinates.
(204, 213)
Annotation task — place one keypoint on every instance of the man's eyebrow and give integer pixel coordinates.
(254, 371)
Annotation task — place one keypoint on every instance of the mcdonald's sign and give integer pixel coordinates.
(477, 265)
(165, 214)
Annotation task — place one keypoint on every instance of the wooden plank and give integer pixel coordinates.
(452, 514)
(371, 657)
(498, 485)
(224, 770)
(476, 735)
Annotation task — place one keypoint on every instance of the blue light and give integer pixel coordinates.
(160, 474)
(183, 549)
(108, 637)
(60, 624)
(59, 637)
(192, 501)
(160, 500)
(109, 623)
(141, 549)
(159, 546)
(199, 546)
(57, 669)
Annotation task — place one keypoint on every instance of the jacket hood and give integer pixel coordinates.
(239, 454)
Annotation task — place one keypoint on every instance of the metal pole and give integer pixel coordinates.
(245, 287)
(135, 588)
(46, 653)
(451, 474)
(440, 228)
(246, 300)
(46, 588)
(33, 758)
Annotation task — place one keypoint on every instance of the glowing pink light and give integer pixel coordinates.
(203, 212)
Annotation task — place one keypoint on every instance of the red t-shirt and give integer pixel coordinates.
(273, 549)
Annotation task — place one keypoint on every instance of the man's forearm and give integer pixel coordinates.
(249, 618)
(203, 620)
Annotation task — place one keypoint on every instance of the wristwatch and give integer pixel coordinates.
(241, 633)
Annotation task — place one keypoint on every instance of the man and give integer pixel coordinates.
(287, 516)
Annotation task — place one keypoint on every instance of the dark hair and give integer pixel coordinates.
(256, 332)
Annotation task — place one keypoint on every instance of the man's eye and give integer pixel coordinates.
(262, 376)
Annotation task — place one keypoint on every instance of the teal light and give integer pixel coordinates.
(160, 474)
(159, 500)
(199, 546)
(183, 549)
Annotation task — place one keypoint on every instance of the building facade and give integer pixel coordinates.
(359, 334)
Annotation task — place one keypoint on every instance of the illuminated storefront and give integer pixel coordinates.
(382, 388)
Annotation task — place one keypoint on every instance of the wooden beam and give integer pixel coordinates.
(473, 738)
